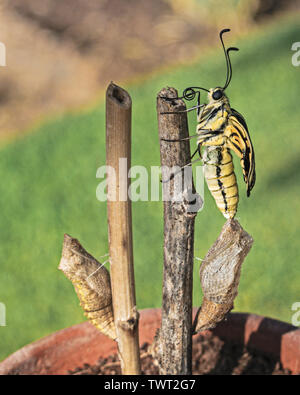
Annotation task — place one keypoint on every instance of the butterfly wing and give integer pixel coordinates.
(238, 139)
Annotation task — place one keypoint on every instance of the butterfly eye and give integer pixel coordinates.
(217, 94)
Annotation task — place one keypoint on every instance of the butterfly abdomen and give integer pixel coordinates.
(221, 179)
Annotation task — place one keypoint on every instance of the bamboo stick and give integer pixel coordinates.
(118, 145)
(174, 342)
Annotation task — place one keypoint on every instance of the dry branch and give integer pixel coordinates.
(118, 145)
(220, 274)
(174, 343)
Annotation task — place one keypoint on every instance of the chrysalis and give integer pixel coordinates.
(220, 274)
(91, 281)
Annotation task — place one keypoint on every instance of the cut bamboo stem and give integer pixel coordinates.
(118, 156)
(174, 342)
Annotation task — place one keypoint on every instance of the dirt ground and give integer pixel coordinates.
(61, 54)
(211, 356)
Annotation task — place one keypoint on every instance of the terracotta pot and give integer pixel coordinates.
(72, 347)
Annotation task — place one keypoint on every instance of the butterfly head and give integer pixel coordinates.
(217, 95)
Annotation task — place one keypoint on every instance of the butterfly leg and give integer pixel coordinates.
(184, 111)
(213, 137)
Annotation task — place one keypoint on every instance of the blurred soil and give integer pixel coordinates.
(60, 54)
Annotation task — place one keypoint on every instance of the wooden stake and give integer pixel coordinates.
(118, 156)
(174, 344)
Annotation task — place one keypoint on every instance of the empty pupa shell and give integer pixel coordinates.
(211, 314)
(220, 274)
(92, 284)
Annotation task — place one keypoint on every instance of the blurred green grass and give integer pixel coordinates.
(48, 188)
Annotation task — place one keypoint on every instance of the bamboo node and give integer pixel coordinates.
(131, 323)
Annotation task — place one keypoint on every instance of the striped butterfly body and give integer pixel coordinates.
(220, 130)
(221, 180)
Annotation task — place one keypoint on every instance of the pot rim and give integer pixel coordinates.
(71, 347)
